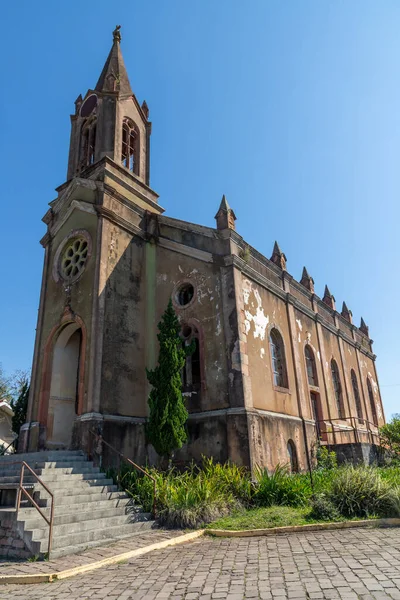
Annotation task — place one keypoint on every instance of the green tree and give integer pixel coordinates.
(168, 415)
(390, 435)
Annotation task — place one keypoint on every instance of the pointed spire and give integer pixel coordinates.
(225, 216)
(278, 257)
(346, 313)
(145, 109)
(78, 103)
(364, 327)
(307, 280)
(114, 77)
(329, 299)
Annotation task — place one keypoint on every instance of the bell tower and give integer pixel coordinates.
(109, 121)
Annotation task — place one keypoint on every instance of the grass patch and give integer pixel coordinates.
(269, 517)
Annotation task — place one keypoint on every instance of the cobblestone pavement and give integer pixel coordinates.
(88, 556)
(346, 564)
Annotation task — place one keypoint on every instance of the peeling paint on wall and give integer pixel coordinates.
(300, 326)
(262, 352)
(319, 356)
(259, 319)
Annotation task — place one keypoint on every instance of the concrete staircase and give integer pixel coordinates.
(88, 509)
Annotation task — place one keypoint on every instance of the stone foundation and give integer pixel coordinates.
(12, 546)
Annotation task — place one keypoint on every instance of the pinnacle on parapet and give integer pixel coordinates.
(145, 109)
(307, 281)
(329, 299)
(225, 216)
(346, 313)
(114, 77)
(278, 257)
(364, 327)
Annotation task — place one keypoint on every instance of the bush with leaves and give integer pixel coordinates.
(326, 459)
(322, 508)
(281, 487)
(361, 492)
(20, 406)
(390, 436)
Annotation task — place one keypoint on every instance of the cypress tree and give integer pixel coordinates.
(20, 406)
(168, 415)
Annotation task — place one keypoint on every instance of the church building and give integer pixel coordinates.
(275, 370)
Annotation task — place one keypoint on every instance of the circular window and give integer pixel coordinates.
(184, 294)
(73, 258)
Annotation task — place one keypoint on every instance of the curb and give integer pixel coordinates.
(110, 560)
(300, 528)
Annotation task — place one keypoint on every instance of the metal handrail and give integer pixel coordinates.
(100, 437)
(353, 421)
(22, 490)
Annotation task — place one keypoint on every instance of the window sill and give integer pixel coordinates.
(282, 390)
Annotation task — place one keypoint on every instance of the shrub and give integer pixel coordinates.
(323, 508)
(326, 459)
(281, 488)
(361, 492)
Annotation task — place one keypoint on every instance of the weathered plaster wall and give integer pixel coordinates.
(80, 294)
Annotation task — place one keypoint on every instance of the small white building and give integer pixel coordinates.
(6, 433)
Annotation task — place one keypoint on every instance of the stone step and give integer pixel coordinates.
(51, 455)
(140, 528)
(35, 521)
(77, 507)
(64, 467)
(65, 487)
(55, 478)
(78, 527)
(98, 535)
(93, 496)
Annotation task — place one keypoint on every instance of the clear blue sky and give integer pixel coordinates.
(290, 108)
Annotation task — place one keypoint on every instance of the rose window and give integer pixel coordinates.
(74, 258)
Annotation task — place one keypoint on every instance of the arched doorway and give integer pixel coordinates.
(63, 400)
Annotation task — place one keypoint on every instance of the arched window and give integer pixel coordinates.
(337, 386)
(88, 144)
(311, 367)
(372, 402)
(356, 394)
(191, 375)
(278, 359)
(130, 146)
(292, 452)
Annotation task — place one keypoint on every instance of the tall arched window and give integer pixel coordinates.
(311, 366)
(88, 144)
(191, 375)
(337, 386)
(292, 452)
(372, 403)
(130, 146)
(278, 359)
(356, 394)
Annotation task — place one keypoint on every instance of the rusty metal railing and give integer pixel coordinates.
(99, 437)
(355, 427)
(22, 490)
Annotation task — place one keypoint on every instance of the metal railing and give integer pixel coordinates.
(22, 490)
(357, 427)
(99, 437)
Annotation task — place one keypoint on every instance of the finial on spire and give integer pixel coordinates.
(278, 257)
(346, 313)
(329, 299)
(307, 281)
(117, 34)
(225, 216)
(364, 327)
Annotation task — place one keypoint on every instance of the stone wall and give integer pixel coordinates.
(11, 543)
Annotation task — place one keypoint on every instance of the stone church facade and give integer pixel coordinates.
(275, 368)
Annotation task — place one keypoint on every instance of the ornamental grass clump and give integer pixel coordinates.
(281, 488)
(361, 492)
